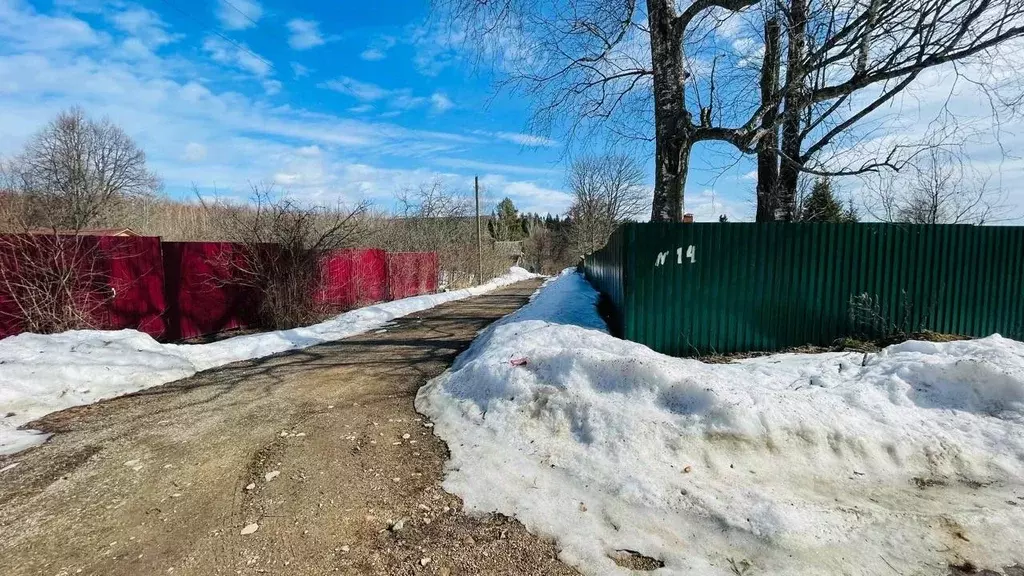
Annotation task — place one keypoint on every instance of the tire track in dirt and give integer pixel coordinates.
(155, 482)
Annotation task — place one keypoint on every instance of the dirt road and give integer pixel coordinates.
(320, 451)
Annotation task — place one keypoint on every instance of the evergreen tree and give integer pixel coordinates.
(851, 212)
(822, 205)
(505, 223)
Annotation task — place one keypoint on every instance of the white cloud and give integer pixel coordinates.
(272, 87)
(433, 49)
(378, 49)
(709, 205)
(398, 100)
(21, 28)
(528, 140)
(440, 102)
(241, 57)
(298, 70)
(194, 152)
(146, 26)
(197, 127)
(238, 14)
(527, 196)
(356, 89)
(166, 116)
(283, 179)
(404, 100)
(305, 34)
(135, 49)
(495, 167)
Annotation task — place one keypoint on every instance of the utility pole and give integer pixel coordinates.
(479, 234)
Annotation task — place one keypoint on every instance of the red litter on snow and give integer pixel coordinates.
(518, 362)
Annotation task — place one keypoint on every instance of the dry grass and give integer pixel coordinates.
(841, 345)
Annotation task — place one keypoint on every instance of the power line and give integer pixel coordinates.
(246, 16)
(225, 38)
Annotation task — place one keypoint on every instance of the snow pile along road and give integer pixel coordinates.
(40, 374)
(900, 462)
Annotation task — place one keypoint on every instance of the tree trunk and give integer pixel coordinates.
(789, 172)
(767, 158)
(671, 120)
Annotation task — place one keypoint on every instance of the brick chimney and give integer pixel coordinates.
(688, 218)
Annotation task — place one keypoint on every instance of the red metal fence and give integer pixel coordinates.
(411, 274)
(351, 278)
(115, 281)
(201, 297)
(181, 290)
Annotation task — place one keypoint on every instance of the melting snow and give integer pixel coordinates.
(40, 374)
(910, 459)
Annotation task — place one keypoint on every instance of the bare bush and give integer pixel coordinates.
(546, 246)
(51, 283)
(433, 218)
(282, 242)
(78, 172)
(12, 212)
(868, 319)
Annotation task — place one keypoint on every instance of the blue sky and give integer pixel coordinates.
(328, 100)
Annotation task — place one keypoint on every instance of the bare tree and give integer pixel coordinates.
(607, 190)
(74, 173)
(282, 243)
(767, 158)
(430, 217)
(845, 61)
(79, 172)
(631, 67)
(625, 65)
(941, 190)
(436, 217)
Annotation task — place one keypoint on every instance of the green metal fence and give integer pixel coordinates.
(687, 289)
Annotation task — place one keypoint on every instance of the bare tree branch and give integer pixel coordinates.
(607, 190)
(78, 172)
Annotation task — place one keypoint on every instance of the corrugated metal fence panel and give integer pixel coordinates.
(119, 279)
(137, 282)
(351, 278)
(691, 289)
(200, 289)
(605, 270)
(411, 274)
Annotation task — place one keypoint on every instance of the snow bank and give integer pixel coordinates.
(40, 374)
(840, 463)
